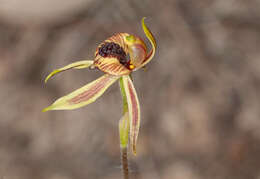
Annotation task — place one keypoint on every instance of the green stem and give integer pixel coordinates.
(124, 130)
(122, 89)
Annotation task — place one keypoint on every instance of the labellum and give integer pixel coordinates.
(120, 54)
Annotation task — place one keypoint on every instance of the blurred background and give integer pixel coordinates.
(200, 95)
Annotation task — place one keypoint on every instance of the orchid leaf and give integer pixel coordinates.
(83, 96)
(134, 110)
(76, 65)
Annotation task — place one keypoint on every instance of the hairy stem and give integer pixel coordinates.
(124, 161)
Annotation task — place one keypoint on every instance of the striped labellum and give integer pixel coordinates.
(120, 54)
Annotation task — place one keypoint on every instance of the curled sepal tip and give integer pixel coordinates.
(134, 111)
(83, 96)
(76, 65)
(152, 40)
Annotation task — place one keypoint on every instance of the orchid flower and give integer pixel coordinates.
(112, 58)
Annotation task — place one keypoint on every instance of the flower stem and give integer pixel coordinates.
(122, 89)
(123, 131)
(124, 161)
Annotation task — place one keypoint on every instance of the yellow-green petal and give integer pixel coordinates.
(152, 40)
(85, 95)
(76, 65)
(134, 111)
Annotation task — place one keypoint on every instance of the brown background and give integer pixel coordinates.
(199, 96)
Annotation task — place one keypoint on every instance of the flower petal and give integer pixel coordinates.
(134, 111)
(110, 65)
(137, 50)
(83, 96)
(76, 65)
(151, 38)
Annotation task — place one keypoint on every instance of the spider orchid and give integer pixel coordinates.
(111, 57)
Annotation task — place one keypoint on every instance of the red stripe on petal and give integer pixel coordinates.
(117, 69)
(90, 92)
(134, 112)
